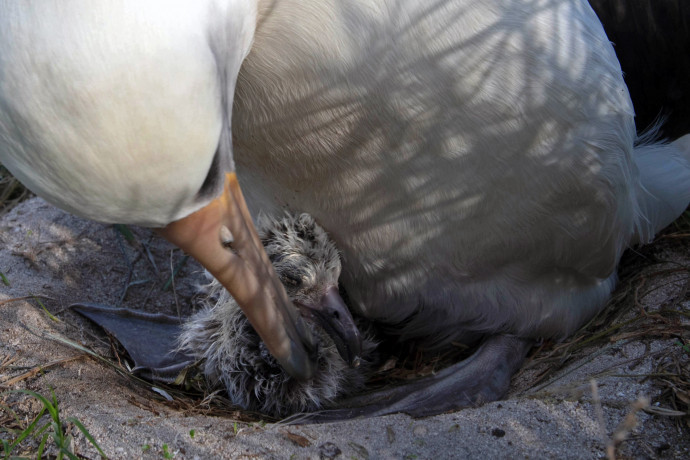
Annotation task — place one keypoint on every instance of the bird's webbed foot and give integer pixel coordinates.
(150, 339)
(481, 378)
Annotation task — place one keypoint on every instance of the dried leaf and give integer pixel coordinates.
(297, 439)
(391, 434)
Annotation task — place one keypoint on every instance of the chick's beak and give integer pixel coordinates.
(222, 237)
(335, 318)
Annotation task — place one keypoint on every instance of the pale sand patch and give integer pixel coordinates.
(44, 251)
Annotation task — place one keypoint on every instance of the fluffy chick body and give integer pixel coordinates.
(231, 352)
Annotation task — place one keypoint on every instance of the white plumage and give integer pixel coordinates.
(120, 112)
(104, 94)
(473, 160)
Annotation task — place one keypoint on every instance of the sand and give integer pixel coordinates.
(46, 252)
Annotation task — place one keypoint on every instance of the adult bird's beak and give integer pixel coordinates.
(222, 237)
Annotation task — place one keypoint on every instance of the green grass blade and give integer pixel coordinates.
(41, 446)
(81, 348)
(177, 269)
(56, 420)
(88, 436)
(50, 315)
(42, 429)
(68, 453)
(29, 430)
(46, 404)
(53, 429)
(125, 232)
(40, 432)
(57, 434)
(6, 451)
(5, 281)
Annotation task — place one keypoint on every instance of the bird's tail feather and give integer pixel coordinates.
(664, 184)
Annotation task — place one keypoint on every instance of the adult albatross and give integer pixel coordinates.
(474, 160)
(119, 112)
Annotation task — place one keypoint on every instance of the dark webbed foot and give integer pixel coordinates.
(483, 377)
(150, 339)
(152, 342)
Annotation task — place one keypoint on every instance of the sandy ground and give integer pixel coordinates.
(46, 252)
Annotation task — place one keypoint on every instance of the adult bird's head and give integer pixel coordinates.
(222, 237)
(120, 112)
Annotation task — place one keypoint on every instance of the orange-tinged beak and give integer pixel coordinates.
(222, 237)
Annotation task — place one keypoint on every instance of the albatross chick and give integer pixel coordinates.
(234, 356)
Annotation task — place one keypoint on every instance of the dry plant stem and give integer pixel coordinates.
(625, 427)
(675, 236)
(636, 296)
(172, 281)
(38, 369)
(8, 360)
(27, 297)
(682, 294)
(600, 413)
(12, 192)
(590, 358)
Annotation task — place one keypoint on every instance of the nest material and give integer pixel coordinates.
(12, 192)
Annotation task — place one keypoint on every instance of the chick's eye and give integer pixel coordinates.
(292, 280)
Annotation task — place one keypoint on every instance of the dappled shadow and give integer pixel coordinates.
(43, 244)
(453, 151)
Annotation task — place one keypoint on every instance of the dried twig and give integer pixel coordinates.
(38, 369)
(625, 427)
(26, 297)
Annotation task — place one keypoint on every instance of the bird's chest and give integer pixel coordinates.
(439, 146)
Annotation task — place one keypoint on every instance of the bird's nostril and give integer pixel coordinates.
(226, 237)
(336, 314)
